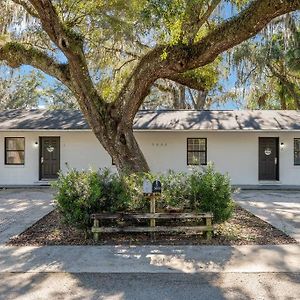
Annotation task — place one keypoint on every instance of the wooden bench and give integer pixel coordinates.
(207, 228)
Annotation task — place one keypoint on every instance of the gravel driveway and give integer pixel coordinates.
(20, 208)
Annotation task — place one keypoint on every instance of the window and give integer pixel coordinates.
(196, 151)
(297, 152)
(14, 150)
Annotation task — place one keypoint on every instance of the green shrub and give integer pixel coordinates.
(115, 196)
(174, 190)
(78, 196)
(210, 191)
(134, 184)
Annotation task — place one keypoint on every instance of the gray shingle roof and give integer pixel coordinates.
(39, 119)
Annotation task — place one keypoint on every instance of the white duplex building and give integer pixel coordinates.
(254, 147)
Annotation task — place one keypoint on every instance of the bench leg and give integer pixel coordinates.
(96, 234)
(209, 231)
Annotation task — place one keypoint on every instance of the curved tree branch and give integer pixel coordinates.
(71, 44)
(181, 57)
(194, 20)
(195, 83)
(16, 55)
(236, 30)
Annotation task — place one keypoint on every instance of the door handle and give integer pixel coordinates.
(275, 160)
(42, 159)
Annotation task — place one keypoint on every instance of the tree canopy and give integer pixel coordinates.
(268, 68)
(110, 54)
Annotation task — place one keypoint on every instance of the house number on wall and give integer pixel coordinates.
(268, 151)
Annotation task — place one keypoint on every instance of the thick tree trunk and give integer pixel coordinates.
(201, 99)
(120, 142)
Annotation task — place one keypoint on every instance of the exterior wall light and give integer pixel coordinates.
(282, 145)
(36, 144)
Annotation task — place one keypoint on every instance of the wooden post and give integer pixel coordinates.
(96, 234)
(208, 222)
(152, 210)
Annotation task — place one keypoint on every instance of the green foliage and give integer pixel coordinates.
(115, 196)
(175, 190)
(58, 96)
(134, 185)
(208, 74)
(269, 68)
(19, 91)
(210, 191)
(80, 194)
(25, 91)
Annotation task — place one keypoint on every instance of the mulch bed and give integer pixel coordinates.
(242, 229)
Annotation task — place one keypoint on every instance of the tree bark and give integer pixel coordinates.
(282, 97)
(123, 149)
(201, 99)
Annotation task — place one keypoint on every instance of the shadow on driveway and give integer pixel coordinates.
(279, 208)
(20, 208)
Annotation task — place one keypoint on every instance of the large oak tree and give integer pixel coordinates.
(174, 40)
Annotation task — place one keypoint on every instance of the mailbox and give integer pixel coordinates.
(147, 187)
(156, 186)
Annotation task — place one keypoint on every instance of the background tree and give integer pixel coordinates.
(82, 44)
(29, 91)
(268, 67)
(19, 91)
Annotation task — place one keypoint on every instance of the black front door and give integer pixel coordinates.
(268, 158)
(49, 157)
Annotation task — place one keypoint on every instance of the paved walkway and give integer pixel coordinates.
(279, 208)
(151, 259)
(20, 208)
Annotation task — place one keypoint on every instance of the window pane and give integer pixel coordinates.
(297, 145)
(202, 144)
(14, 157)
(202, 158)
(15, 144)
(196, 158)
(193, 158)
(297, 158)
(196, 144)
(190, 144)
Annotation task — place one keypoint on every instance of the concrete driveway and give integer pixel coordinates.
(20, 208)
(279, 208)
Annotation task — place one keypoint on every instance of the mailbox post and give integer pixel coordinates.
(156, 190)
(152, 190)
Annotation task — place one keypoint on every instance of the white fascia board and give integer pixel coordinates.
(156, 130)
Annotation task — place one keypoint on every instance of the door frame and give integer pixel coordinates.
(40, 154)
(276, 138)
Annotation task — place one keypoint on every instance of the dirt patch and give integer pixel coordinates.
(242, 229)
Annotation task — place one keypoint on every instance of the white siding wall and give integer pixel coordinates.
(232, 152)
